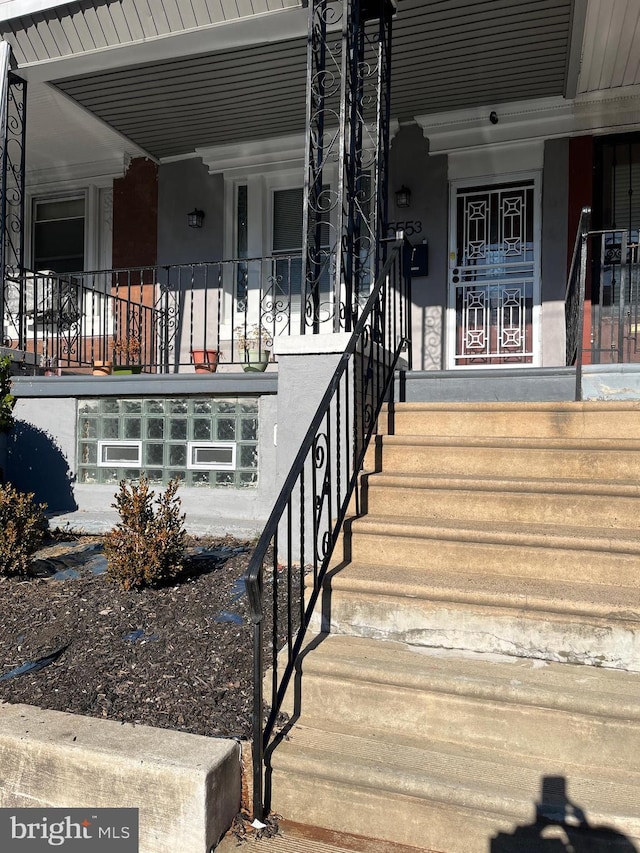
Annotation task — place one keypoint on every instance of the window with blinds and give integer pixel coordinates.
(287, 240)
(59, 234)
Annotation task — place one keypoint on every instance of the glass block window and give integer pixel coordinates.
(204, 442)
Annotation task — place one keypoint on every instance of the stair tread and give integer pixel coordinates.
(503, 532)
(574, 407)
(526, 593)
(466, 774)
(292, 838)
(518, 485)
(586, 690)
(578, 444)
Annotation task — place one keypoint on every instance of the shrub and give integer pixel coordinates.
(147, 547)
(7, 400)
(22, 525)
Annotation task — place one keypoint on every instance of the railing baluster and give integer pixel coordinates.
(333, 448)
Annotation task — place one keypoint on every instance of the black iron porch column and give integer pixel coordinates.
(347, 128)
(13, 123)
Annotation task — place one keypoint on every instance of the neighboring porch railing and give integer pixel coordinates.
(168, 312)
(602, 304)
(289, 564)
(574, 299)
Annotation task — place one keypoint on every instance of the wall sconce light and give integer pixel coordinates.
(403, 197)
(195, 218)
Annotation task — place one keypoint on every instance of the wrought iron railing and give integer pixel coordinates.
(602, 305)
(289, 564)
(165, 313)
(574, 299)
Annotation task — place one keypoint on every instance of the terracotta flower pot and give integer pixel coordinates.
(101, 368)
(205, 360)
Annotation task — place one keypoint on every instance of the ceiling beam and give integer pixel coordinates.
(574, 54)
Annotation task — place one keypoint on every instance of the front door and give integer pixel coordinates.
(493, 274)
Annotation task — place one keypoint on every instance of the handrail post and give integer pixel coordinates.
(583, 279)
(574, 313)
(257, 754)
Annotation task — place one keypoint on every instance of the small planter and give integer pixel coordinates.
(101, 368)
(205, 360)
(256, 360)
(127, 369)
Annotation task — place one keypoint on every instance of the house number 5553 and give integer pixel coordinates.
(409, 226)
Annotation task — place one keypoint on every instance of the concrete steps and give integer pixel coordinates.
(478, 683)
(427, 694)
(531, 420)
(450, 751)
(507, 548)
(403, 790)
(556, 501)
(491, 457)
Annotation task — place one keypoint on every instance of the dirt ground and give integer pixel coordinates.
(177, 657)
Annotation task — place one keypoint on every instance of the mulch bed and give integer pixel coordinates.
(177, 657)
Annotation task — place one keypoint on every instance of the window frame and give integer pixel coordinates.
(59, 197)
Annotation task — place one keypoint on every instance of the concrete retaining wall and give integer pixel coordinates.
(187, 787)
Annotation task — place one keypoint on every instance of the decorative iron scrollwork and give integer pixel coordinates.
(348, 96)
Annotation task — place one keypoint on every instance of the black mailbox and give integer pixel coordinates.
(420, 260)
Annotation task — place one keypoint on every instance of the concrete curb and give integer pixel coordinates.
(187, 787)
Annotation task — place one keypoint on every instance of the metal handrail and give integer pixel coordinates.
(315, 497)
(605, 269)
(574, 298)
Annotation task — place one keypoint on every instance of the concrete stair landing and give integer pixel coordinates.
(474, 684)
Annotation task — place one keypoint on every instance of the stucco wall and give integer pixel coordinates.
(426, 177)
(42, 457)
(183, 186)
(555, 199)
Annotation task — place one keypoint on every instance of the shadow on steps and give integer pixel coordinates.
(560, 827)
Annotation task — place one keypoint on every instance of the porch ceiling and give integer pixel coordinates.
(448, 54)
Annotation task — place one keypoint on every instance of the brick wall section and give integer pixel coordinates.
(135, 215)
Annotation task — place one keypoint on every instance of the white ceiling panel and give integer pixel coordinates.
(611, 48)
(447, 54)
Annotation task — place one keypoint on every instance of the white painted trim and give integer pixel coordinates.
(211, 466)
(17, 8)
(100, 173)
(311, 344)
(97, 232)
(244, 158)
(240, 159)
(613, 110)
(511, 158)
(265, 27)
(576, 40)
(104, 244)
(103, 444)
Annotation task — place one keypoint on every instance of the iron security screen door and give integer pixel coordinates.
(493, 274)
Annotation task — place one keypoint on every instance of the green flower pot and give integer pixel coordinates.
(256, 360)
(127, 369)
